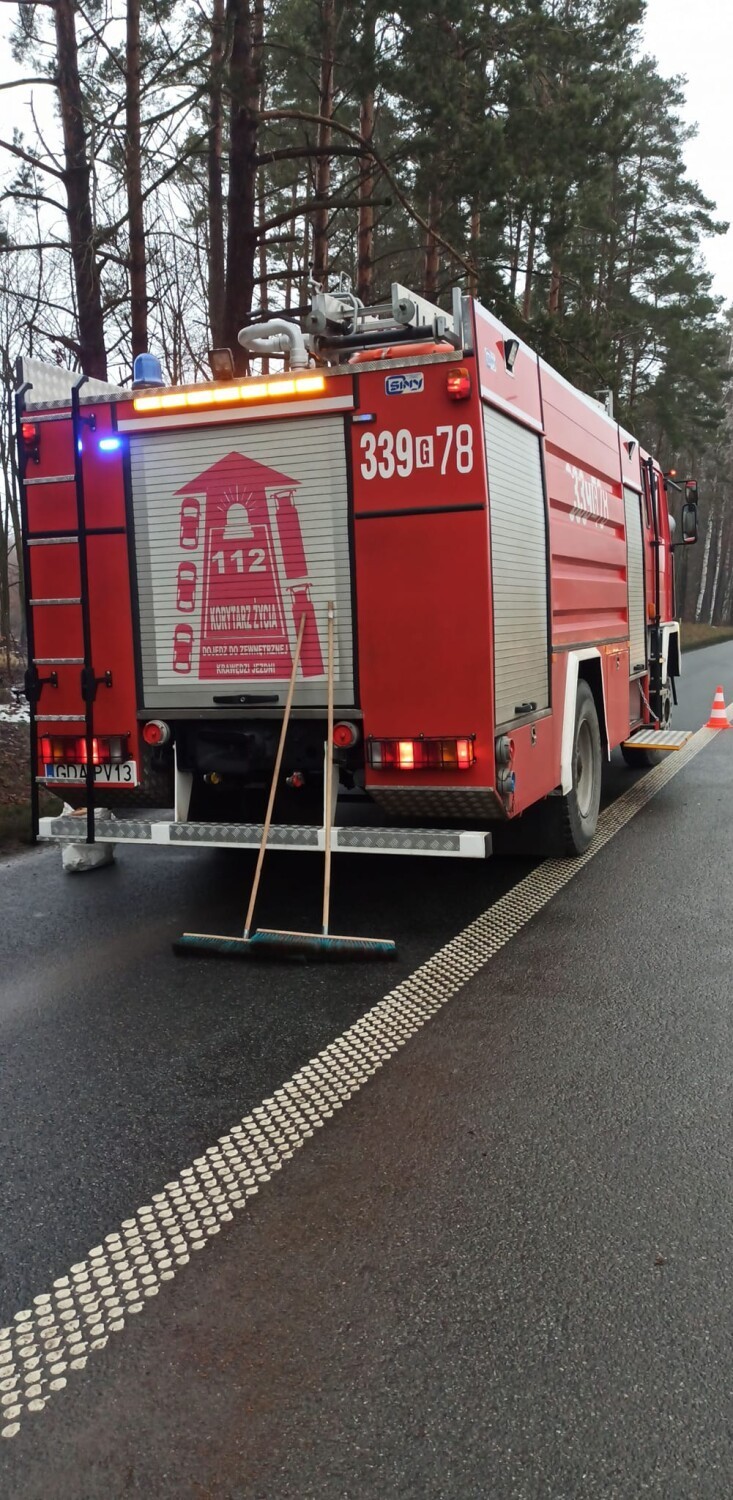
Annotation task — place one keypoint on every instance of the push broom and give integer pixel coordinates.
(269, 941)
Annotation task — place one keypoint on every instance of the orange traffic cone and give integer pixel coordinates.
(718, 716)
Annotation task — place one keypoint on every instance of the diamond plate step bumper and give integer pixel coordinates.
(448, 844)
(658, 739)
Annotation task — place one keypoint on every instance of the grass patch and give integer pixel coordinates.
(695, 636)
(15, 821)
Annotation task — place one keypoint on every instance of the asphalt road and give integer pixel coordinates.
(502, 1271)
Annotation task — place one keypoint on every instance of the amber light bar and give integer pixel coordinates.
(260, 390)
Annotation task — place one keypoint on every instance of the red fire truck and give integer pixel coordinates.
(496, 547)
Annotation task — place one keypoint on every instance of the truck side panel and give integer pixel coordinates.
(587, 533)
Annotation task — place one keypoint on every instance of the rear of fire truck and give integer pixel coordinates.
(176, 538)
(495, 548)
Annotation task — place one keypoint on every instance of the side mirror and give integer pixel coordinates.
(689, 521)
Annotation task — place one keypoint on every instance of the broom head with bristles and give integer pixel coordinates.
(269, 943)
(322, 944)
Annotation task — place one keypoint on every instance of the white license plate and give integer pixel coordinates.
(123, 774)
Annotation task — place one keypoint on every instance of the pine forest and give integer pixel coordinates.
(186, 166)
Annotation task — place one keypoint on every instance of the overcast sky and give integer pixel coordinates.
(695, 38)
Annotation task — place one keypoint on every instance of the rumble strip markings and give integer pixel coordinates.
(47, 1342)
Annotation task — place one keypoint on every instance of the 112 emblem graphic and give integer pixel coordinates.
(249, 603)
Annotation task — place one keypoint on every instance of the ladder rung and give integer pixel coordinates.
(58, 661)
(61, 718)
(35, 602)
(51, 541)
(53, 479)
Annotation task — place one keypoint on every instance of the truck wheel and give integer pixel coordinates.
(639, 760)
(580, 805)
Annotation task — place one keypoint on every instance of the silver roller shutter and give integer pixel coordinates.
(635, 581)
(518, 565)
(239, 530)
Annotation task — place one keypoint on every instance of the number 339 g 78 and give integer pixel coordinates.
(386, 454)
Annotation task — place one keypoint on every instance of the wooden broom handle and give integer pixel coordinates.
(328, 814)
(275, 776)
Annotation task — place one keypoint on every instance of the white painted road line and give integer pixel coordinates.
(47, 1342)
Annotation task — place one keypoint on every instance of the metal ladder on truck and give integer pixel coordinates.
(34, 682)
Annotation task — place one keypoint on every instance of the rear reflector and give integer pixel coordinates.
(422, 754)
(155, 732)
(345, 734)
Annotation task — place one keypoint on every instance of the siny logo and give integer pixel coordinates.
(404, 385)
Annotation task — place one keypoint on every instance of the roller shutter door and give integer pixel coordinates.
(239, 532)
(518, 565)
(635, 581)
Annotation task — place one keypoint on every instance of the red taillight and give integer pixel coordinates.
(458, 384)
(100, 751)
(422, 754)
(30, 433)
(57, 749)
(155, 732)
(72, 750)
(406, 755)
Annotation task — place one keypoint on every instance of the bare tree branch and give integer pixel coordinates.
(34, 161)
(304, 115)
(17, 83)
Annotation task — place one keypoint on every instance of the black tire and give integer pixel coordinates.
(580, 805)
(639, 760)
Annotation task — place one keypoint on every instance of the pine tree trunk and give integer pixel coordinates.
(365, 229)
(245, 27)
(716, 579)
(515, 254)
(325, 134)
(134, 184)
(290, 255)
(475, 238)
(77, 182)
(5, 588)
(554, 300)
(432, 252)
(529, 268)
(261, 203)
(365, 234)
(704, 571)
(216, 259)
